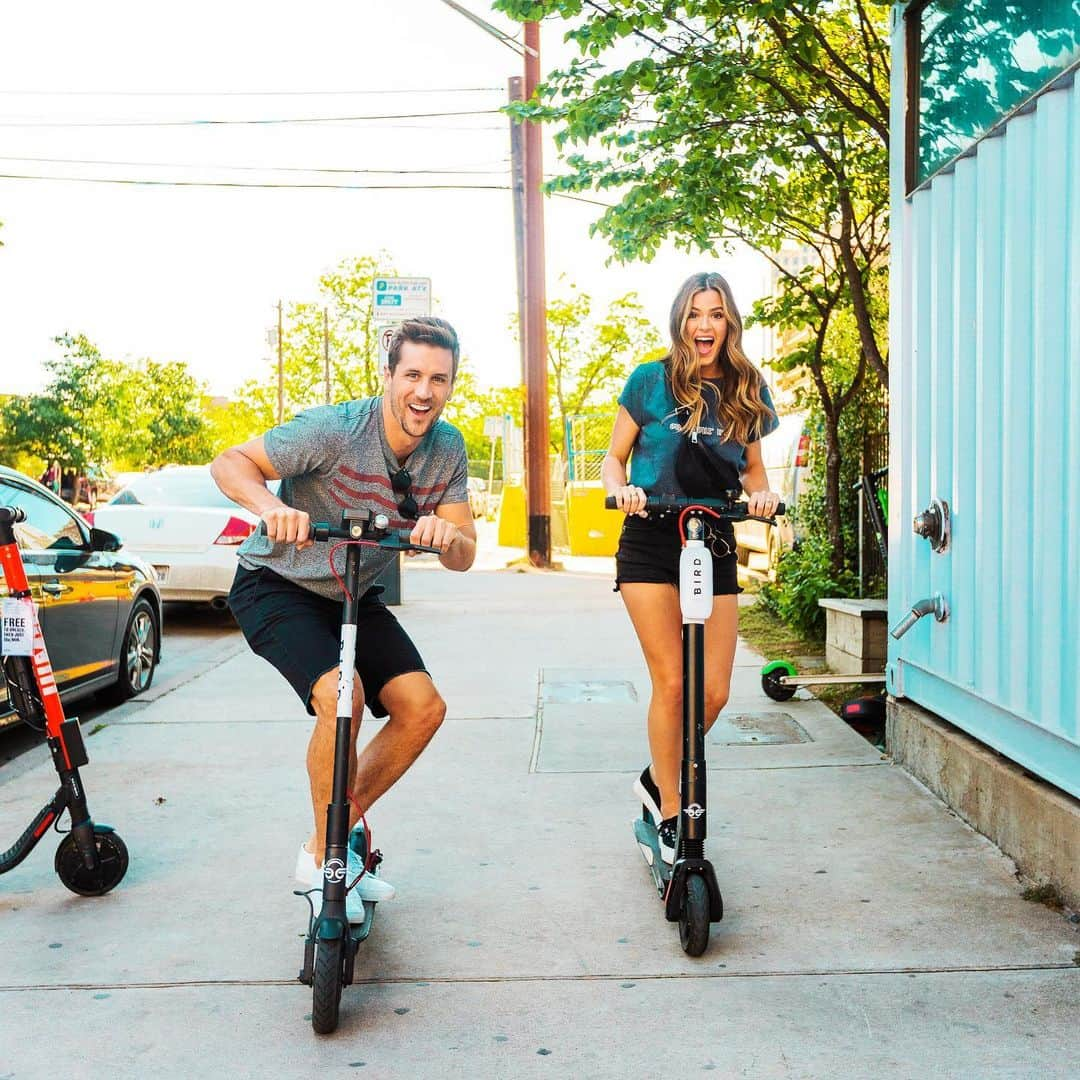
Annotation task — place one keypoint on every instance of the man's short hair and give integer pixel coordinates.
(425, 330)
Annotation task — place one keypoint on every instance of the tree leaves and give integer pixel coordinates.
(96, 410)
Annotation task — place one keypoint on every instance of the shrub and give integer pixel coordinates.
(803, 576)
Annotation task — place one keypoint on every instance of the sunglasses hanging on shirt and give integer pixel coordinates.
(401, 482)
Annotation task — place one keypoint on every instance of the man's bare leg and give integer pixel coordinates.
(416, 711)
(320, 754)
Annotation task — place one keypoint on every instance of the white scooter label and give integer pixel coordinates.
(17, 636)
(695, 582)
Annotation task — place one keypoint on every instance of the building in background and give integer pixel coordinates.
(985, 419)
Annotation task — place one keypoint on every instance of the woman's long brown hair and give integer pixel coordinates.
(737, 402)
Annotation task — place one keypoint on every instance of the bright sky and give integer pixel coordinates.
(192, 274)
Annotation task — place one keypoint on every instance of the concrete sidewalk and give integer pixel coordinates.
(868, 931)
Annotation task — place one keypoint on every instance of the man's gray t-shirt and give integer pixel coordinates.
(336, 457)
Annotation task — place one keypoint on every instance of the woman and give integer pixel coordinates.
(704, 400)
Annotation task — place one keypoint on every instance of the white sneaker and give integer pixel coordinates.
(369, 887)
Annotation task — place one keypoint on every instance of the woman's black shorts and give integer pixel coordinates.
(299, 632)
(649, 551)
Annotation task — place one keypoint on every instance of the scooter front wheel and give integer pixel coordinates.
(326, 985)
(112, 864)
(694, 919)
(771, 675)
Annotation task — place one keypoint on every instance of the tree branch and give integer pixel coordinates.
(880, 125)
(859, 300)
(637, 33)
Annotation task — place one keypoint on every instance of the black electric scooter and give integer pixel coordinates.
(688, 887)
(332, 941)
(91, 859)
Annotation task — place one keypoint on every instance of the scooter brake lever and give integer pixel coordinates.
(399, 543)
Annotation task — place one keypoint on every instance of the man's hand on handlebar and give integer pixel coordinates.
(287, 525)
(762, 503)
(630, 500)
(433, 531)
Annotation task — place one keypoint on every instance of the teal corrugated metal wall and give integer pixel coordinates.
(985, 413)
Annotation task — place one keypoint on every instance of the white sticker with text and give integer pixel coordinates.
(17, 635)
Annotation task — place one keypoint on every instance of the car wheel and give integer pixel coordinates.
(138, 655)
(774, 553)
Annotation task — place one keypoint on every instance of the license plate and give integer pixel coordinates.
(162, 573)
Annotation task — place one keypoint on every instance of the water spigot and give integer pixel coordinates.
(936, 605)
(934, 524)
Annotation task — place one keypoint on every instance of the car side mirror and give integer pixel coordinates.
(103, 540)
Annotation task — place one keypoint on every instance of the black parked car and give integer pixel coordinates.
(99, 607)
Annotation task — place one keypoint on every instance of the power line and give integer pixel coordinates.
(250, 93)
(129, 182)
(510, 42)
(226, 123)
(465, 171)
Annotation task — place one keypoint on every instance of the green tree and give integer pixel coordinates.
(590, 355)
(589, 358)
(469, 407)
(345, 293)
(230, 423)
(84, 416)
(756, 120)
(95, 410)
(170, 425)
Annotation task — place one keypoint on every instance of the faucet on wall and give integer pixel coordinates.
(936, 604)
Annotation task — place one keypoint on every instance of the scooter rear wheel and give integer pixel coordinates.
(694, 919)
(112, 864)
(326, 985)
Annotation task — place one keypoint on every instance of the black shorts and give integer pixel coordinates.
(649, 550)
(299, 632)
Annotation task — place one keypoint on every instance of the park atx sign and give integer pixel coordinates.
(395, 300)
(400, 298)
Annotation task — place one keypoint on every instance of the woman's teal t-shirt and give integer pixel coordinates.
(647, 397)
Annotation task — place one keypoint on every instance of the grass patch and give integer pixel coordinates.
(773, 638)
(95, 729)
(1046, 895)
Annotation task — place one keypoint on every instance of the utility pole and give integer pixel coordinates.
(280, 372)
(517, 187)
(534, 331)
(326, 352)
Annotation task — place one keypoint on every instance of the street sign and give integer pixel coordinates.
(398, 298)
(386, 335)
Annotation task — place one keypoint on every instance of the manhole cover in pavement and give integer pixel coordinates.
(588, 691)
(756, 729)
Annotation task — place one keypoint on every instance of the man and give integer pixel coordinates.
(390, 454)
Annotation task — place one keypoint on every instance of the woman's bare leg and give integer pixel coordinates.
(657, 619)
(654, 611)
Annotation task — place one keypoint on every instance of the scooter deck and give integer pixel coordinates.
(649, 843)
(360, 930)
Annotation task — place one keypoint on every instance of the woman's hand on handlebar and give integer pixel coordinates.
(287, 525)
(630, 500)
(762, 503)
(433, 531)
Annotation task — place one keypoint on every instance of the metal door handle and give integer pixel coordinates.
(54, 588)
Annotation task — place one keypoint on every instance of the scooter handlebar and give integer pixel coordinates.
(730, 508)
(394, 540)
(11, 515)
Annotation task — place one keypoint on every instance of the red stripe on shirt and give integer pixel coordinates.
(366, 478)
(384, 481)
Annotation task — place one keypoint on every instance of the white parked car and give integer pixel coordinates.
(785, 454)
(178, 520)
